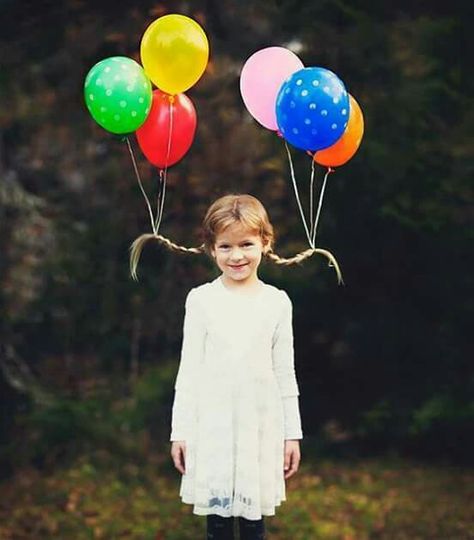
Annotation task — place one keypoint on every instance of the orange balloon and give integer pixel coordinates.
(345, 147)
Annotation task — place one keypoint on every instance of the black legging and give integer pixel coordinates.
(220, 528)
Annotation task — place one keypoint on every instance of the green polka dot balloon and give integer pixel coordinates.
(118, 94)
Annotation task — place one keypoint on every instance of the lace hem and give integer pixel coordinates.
(225, 505)
(235, 511)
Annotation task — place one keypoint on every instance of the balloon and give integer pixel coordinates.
(261, 78)
(342, 151)
(167, 112)
(312, 108)
(174, 51)
(118, 94)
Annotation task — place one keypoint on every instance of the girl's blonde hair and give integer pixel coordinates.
(225, 211)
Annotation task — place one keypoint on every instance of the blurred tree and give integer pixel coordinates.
(373, 356)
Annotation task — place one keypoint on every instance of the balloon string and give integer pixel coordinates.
(137, 174)
(296, 193)
(161, 198)
(163, 173)
(328, 172)
(311, 196)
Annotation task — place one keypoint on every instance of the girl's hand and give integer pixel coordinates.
(178, 453)
(292, 457)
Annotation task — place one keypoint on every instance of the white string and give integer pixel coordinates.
(141, 186)
(311, 196)
(297, 195)
(320, 204)
(163, 173)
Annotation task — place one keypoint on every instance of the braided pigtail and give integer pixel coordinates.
(137, 247)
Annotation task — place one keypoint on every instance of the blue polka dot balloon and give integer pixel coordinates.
(312, 108)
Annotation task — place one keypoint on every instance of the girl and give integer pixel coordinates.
(236, 425)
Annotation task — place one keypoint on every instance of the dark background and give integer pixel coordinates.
(88, 357)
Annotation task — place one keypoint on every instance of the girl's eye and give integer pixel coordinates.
(225, 246)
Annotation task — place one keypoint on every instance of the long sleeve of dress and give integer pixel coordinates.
(292, 418)
(284, 369)
(192, 352)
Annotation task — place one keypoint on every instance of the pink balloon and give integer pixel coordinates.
(261, 78)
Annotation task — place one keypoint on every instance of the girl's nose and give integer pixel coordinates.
(236, 255)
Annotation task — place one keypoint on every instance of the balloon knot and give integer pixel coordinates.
(171, 99)
(122, 137)
(309, 153)
(279, 133)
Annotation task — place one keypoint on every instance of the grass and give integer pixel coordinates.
(98, 497)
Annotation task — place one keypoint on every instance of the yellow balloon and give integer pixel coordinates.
(174, 51)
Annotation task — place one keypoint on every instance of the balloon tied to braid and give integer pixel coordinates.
(311, 232)
(308, 107)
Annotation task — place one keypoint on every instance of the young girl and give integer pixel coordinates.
(235, 420)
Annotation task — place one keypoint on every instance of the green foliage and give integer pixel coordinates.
(150, 399)
(67, 427)
(377, 418)
(441, 409)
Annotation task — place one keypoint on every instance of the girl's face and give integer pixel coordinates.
(238, 253)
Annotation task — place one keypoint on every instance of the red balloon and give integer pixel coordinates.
(175, 113)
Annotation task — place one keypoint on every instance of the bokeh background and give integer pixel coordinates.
(88, 357)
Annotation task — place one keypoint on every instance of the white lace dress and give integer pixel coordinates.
(236, 399)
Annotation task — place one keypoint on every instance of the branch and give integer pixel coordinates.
(19, 376)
